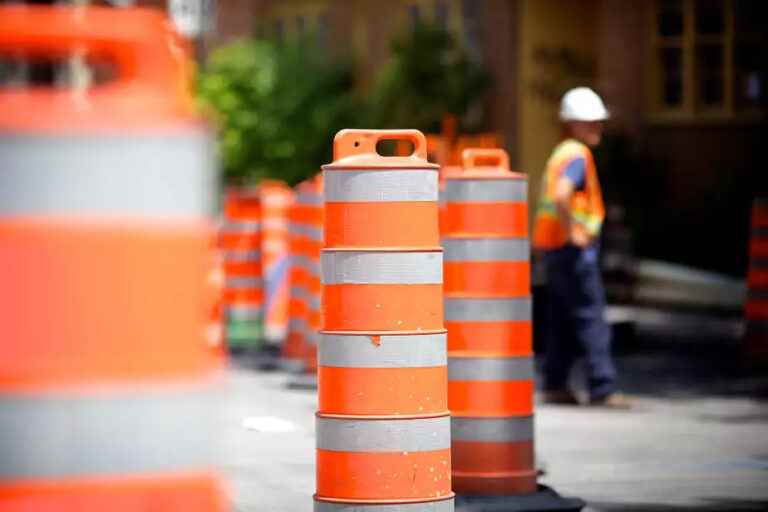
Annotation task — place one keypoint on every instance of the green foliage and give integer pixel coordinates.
(276, 107)
(430, 75)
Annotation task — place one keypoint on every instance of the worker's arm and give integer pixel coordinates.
(564, 189)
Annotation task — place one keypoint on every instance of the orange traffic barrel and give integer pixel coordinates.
(488, 314)
(293, 350)
(306, 231)
(383, 426)
(240, 243)
(108, 367)
(313, 233)
(276, 197)
(756, 309)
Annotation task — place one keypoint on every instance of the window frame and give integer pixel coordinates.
(689, 110)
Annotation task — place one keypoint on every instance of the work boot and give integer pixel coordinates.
(559, 397)
(614, 400)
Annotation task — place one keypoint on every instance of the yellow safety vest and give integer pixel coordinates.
(587, 209)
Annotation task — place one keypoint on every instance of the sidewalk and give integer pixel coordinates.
(697, 440)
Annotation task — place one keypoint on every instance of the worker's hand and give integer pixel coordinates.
(580, 237)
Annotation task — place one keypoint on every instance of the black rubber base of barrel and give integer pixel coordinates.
(303, 382)
(545, 499)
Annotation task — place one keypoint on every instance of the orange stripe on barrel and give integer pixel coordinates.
(486, 399)
(493, 468)
(399, 476)
(390, 224)
(189, 491)
(383, 307)
(499, 219)
(502, 338)
(102, 274)
(382, 391)
(487, 278)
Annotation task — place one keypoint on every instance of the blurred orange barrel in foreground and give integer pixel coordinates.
(488, 314)
(756, 310)
(109, 365)
(383, 427)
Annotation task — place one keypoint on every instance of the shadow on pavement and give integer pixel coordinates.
(712, 505)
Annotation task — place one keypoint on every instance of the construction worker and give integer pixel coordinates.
(566, 233)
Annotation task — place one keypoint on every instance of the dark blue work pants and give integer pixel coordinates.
(576, 323)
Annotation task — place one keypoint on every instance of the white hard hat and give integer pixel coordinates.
(582, 104)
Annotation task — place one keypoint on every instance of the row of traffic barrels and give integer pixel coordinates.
(426, 310)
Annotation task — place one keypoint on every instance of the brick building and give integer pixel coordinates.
(684, 79)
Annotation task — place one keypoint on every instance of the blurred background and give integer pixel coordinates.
(681, 166)
(685, 81)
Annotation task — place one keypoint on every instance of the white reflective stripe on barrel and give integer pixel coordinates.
(240, 283)
(399, 435)
(298, 292)
(486, 190)
(426, 506)
(490, 368)
(241, 227)
(354, 267)
(105, 435)
(138, 175)
(314, 302)
(303, 198)
(311, 336)
(492, 430)
(379, 186)
(406, 351)
(242, 256)
(311, 232)
(243, 312)
(297, 325)
(488, 310)
(307, 263)
(486, 249)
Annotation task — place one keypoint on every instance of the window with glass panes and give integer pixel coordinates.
(709, 57)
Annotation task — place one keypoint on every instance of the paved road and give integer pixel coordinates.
(697, 440)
